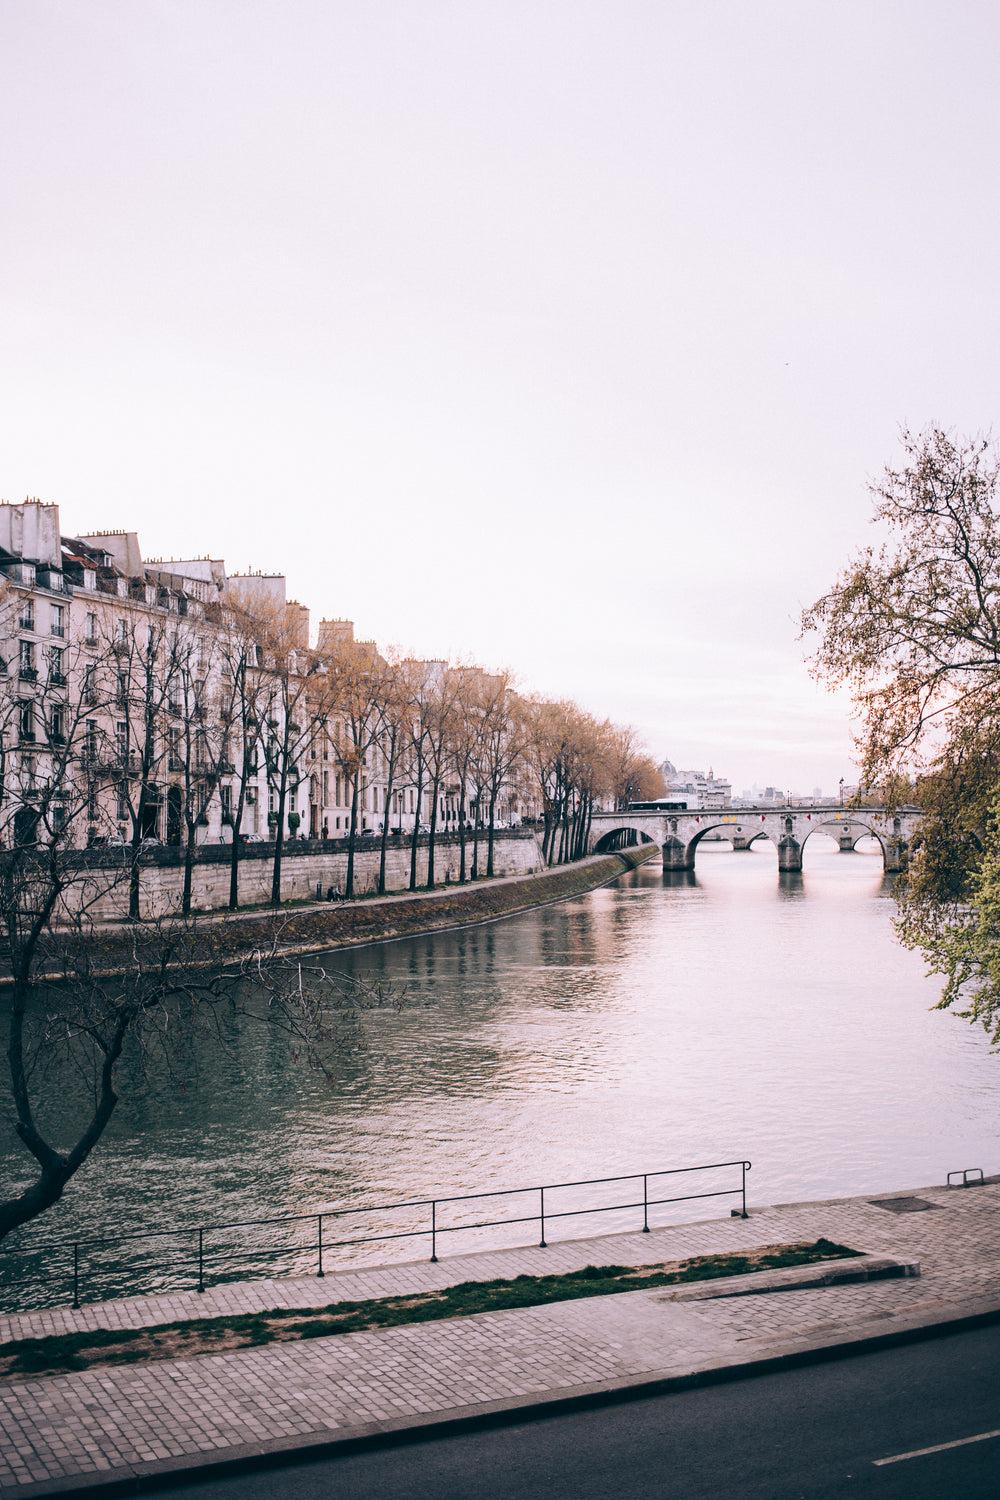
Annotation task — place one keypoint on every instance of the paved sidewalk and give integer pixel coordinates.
(133, 1425)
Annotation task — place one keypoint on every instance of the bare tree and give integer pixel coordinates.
(355, 694)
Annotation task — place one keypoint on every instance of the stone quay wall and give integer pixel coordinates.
(305, 865)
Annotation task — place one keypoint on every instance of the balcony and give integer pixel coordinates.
(57, 679)
(27, 674)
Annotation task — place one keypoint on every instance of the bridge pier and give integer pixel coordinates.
(847, 842)
(894, 853)
(740, 843)
(789, 855)
(677, 855)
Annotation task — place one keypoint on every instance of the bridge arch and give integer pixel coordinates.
(625, 837)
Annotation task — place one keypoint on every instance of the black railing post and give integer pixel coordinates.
(434, 1231)
(319, 1229)
(645, 1206)
(743, 1166)
(76, 1274)
(541, 1243)
(201, 1260)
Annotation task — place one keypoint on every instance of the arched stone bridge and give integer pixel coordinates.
(788, 828)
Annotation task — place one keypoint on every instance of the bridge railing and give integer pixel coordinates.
(182, 1256)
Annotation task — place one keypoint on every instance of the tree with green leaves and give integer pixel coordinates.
(912, 629)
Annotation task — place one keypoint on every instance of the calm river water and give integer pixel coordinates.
(662, 1021)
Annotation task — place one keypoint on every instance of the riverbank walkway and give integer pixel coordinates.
(131, 1427)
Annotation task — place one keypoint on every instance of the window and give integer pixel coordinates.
(175, 761)
(57, 674)
(58, 619)
(121, 631)
(91, 631)
(57, 724)
(90, 740)
(26, 619)
(121, 801)
(121, 741)
(90, 685)
(226, 799)
(27, 660)
(26, 723)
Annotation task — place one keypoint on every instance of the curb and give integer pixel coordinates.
(254, 1458)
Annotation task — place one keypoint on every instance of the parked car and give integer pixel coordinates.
(254, 838)
(111, 841)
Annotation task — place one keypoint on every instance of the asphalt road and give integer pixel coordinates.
(853, 1427)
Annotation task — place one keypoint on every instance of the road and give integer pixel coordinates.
(846, 1428)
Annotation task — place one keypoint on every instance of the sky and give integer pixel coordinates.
(560, 335)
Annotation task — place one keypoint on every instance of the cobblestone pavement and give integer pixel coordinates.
(63, 1431)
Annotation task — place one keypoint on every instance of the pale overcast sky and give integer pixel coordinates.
(557, 334)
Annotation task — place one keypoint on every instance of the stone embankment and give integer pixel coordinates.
(100, 884)
(220, 939)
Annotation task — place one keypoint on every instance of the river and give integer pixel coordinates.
(664, 1020)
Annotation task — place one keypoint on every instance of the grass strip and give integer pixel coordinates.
(58, 1353)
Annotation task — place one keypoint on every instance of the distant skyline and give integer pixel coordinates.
(560, 337)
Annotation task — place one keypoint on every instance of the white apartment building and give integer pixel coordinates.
(168, 697)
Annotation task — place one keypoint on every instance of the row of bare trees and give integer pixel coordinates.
(154, 720)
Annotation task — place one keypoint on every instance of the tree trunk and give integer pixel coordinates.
(279, 840)
(489, 845)
(461, 834)
(234, 857)
(416, 827)
(435, 787)
(188, 869)
(351, 836)
(385, 828)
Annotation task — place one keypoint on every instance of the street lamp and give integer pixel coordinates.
(841, 791)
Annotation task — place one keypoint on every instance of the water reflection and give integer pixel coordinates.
(662, 1021)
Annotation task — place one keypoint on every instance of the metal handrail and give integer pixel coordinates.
(544, 1215)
